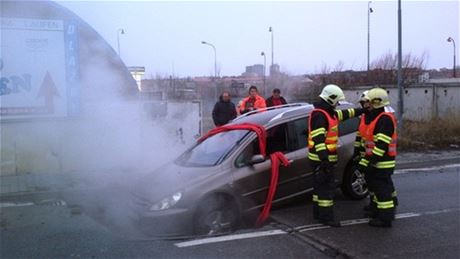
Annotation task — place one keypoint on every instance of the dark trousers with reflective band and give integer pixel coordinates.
(323, 194)
(369, 181)
(383, 202)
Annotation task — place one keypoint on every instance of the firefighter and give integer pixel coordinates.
(379, 160)
(322, 150)
(360, 148)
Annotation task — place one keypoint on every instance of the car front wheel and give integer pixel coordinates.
(354, 184)
(216, 215)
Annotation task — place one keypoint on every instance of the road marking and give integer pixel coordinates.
(304, 228)
(41, 203)
(423, 169)
(9, 204)
(230, 237)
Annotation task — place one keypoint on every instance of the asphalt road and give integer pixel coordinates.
(427, 226)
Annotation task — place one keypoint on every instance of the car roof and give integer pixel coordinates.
(272, 115)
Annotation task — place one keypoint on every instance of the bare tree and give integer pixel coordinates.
(383, 69)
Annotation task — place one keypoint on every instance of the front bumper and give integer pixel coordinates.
(167, 223)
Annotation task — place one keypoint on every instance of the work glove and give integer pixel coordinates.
(359, 111)
(326, 167)
(322, 171)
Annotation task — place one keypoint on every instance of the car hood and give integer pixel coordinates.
(169, 179)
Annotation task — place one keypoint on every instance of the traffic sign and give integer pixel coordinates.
(39, 68)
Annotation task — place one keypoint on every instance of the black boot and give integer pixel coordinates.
(371, 214)
(380, 223)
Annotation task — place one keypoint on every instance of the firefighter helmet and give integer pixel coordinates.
(378, 98)
(364, 97)
(332, 94)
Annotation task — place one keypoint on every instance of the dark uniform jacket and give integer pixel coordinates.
(223, 112)
(269, 101)
(319, 120)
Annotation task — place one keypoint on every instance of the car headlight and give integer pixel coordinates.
(167, 202)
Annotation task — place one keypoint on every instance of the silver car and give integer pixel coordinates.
(223, 181)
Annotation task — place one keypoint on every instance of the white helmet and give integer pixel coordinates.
(364, 97)
(378, 98)
(332, 94)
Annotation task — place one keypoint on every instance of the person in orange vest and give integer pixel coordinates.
(253, 102)
(323, 135)
(380, 157)
(360, 148)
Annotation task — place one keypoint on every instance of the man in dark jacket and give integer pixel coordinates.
(224, 110)
(276, 98)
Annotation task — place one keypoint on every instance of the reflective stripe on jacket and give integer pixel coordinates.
(332, 137)
(386, 158)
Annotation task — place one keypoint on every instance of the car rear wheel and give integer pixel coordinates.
(216, 215)
(354, 185)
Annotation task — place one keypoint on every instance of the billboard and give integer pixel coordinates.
(39, 68)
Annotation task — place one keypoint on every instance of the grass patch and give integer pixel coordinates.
(433, 134)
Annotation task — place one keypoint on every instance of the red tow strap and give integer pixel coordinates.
(275, 158)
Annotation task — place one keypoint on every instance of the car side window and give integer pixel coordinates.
(298, 133)
(245, 156)
(348, 126)
(277, 140)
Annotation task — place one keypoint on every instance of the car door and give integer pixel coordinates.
(252, 181)
(299, 132)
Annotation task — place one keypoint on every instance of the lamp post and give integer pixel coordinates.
(369, 11)
(400, 86)
(265, 64)
(119, 32)
(215, 56)
(453, 42)
(270, 29)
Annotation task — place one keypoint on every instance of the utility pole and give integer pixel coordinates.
(450, 39)
(400, 86)
(273, 56)
(369, 11)
(265, 64)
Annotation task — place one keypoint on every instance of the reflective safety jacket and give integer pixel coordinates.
(323, 131)
(331, 138)
(360, 140)
(380, 142)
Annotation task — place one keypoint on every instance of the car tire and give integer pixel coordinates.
(354, 185)
(216, 215)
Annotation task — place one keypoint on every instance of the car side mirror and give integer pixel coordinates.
(256, 159)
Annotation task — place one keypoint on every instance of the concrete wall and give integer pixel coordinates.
(421, 102)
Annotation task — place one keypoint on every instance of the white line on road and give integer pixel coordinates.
(9, 204)
(423, 169)
(230, 237)
(304, 228)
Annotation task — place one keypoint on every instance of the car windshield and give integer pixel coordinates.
(212, 150)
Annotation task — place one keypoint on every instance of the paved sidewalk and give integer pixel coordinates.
(49, 185)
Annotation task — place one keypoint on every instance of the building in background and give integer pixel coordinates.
(137, 73)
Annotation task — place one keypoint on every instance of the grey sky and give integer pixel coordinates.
(308, 35)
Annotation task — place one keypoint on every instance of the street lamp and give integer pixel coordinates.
(400, 83)
(119, 31)
(215, 56)
(265, 64)
(369, 11)
(270, 29)
(453, 42)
